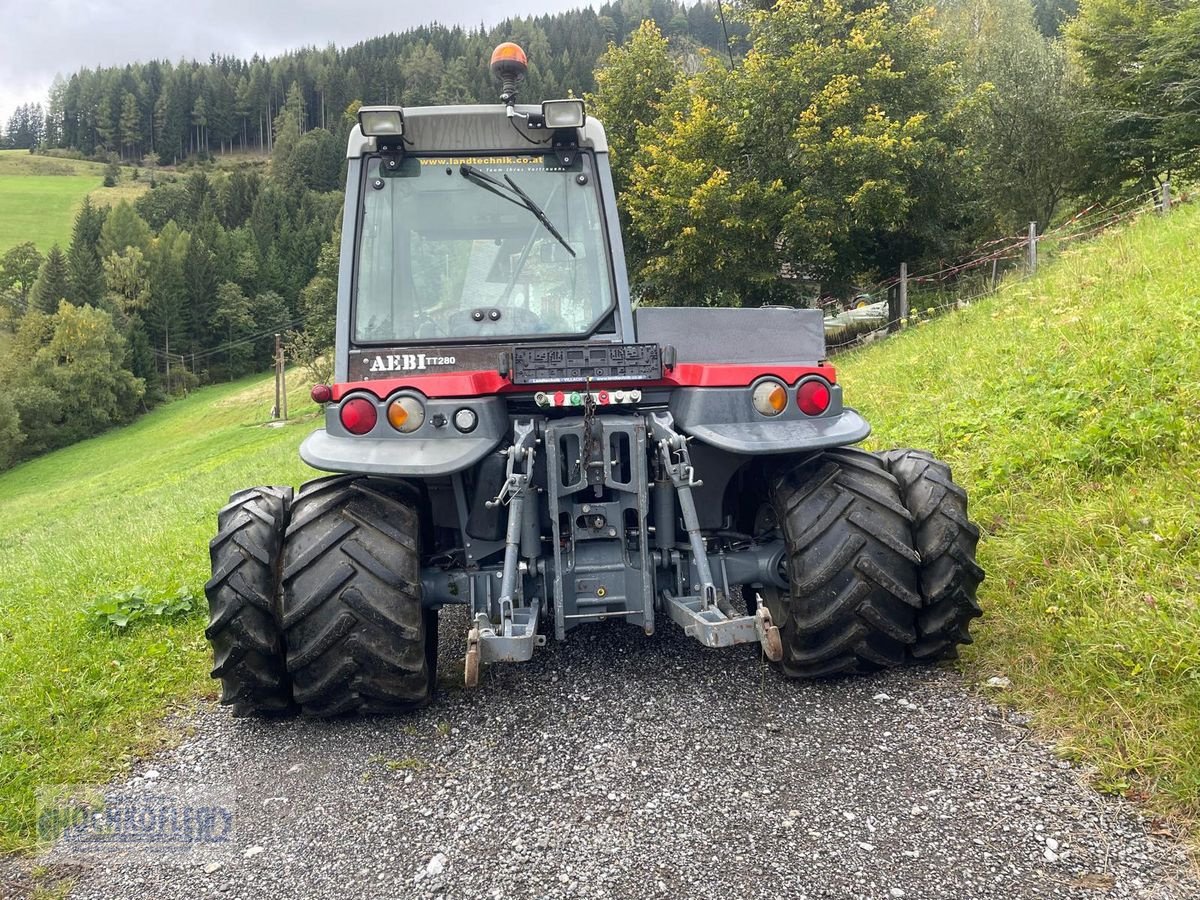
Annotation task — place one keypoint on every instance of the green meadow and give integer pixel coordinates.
(40, 194)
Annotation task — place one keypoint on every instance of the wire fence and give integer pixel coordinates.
(978, 274)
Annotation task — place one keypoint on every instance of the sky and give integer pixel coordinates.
(40, 39)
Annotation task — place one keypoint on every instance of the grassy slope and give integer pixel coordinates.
(1070, 406)
(39, 196)
(132, 507)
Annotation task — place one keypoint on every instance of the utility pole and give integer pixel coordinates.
(1033, 238)
(283, 382)
(276, 411)
(903, 293)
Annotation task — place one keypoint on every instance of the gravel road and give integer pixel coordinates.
(620, 766)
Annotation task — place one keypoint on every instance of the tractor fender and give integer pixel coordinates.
(432, 450)
(421, 457)
(724, 418)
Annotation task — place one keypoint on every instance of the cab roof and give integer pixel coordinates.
(473, 129)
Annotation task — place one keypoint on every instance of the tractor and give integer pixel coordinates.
(508, 433)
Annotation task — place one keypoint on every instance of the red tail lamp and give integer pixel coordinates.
(321, 393)
(359, 415)
(813, 397)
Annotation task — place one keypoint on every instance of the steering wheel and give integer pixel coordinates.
(427, 328)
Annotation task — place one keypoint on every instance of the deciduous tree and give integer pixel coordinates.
(18, 271)
(123, 228)
(1142, 70)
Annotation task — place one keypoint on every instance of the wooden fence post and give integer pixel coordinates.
(1166, 197)
(1033, 238)
(903, 294)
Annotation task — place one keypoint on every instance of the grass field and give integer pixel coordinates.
(1068, 405)
(134, 507)
(40, 194)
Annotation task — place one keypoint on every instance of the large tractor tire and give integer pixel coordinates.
(248, 654)
(946, 540)
(854, 594)
(358, 639)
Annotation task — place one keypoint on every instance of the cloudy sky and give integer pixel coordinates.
(41, 38)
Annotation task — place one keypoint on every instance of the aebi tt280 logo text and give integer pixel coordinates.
(408, 362)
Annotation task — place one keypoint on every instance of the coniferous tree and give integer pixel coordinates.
(131, 125)
(175, 110)
(164, 314)
(200, 285)
(53, 284)
(86, 271)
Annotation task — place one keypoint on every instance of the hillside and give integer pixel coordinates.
(134, 507)
(39, 196)
(1068, 405)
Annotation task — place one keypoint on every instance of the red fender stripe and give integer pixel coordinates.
(490, 383)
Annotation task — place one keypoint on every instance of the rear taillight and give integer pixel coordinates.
(769, 397)
(812, 398)
(406, 414)
(359, 415)
(321, 393)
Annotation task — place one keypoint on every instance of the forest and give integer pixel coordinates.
(173, 111)
(833, 139)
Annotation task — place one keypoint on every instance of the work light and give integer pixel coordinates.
(563, 113)
(381, 121)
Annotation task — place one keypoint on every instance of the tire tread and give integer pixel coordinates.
(947, 542)
(357, 635)
(243, 628)
(854, 594)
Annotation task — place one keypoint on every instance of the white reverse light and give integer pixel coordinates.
(563, 113)
(381, 121)
(465, 420)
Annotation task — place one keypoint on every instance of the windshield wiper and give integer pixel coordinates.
(487, 182)
(497, 187)
(540, 213)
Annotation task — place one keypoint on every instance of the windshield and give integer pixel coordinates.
(480, 247)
